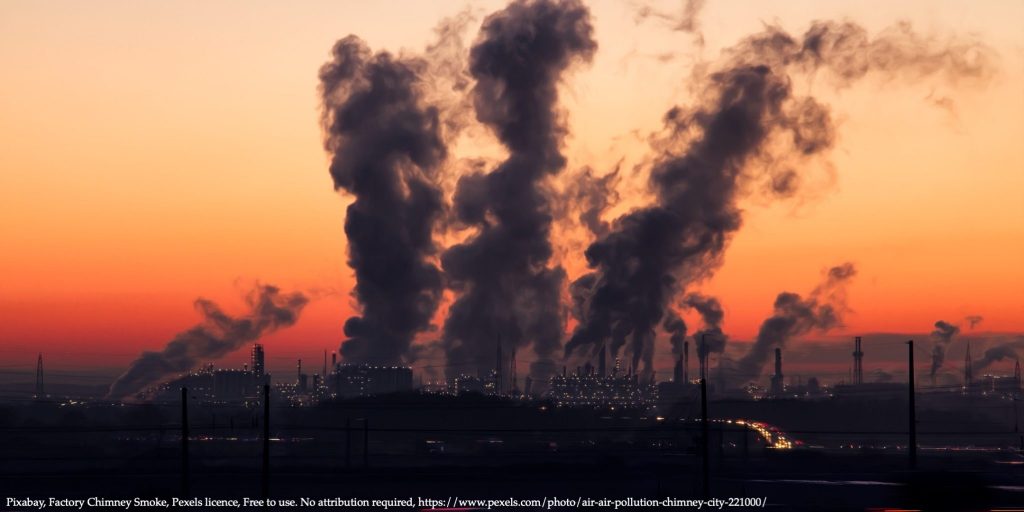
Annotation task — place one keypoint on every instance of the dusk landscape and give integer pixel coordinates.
(528, 255)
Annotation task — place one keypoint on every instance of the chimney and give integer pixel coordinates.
(497, 370)
(686, 361)
(968, 377)
(601, 361)
(677, 373)
(777, 382)
(858, 362)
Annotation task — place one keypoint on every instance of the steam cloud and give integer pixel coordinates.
(386, 148)
(747, 127)
(217, 335)
(794, 316)
(942, 336)
(509, 290)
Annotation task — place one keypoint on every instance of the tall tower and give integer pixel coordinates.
(686, 361)
(497, 370)
(515, 374)
(325, 365)
(601, 361)
(702, 356)
(858, 362)
(298, 371)
(777, 379)
(1016, 374)
(257, 360)
(968, 373)
(677, 371)
(39, 376)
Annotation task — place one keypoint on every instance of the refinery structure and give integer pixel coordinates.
(600, 386)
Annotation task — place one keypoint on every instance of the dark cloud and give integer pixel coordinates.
(507, 287)
(216, 336)
(386, 148)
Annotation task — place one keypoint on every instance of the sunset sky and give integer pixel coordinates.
(155, 152)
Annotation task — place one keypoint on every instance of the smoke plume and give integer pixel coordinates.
(216, 336)
(710, 339)
(676, 328)
(508, 288)
(1009, 350)
(386, 147)
(591, 196)
(973, 320)
(746, 128)
(942, 336)
(794, 316)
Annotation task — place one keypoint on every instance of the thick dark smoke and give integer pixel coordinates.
(216, 336)
(508, 288)
(710, 339)
(686, 21)
(942, 336)
(676, 328)
(973, 320)
(746, 127)
(386, 148)
(1010, 350)
(822, 310)
(591, 195)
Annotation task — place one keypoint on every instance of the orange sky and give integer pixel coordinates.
(156, 152)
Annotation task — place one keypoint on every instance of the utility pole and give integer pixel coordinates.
(184, 443)
(912, 447)
(266, 441)
(705, 442)
(348, 443)
(366, 442)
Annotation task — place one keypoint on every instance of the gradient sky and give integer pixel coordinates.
(156, 152)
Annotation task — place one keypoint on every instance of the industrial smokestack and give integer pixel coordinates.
(778, 383)
(506, 281)
(745, 115)
(858, 362)
(822, 310)
(216, 336)
(1007, 350)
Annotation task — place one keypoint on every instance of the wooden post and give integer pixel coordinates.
(366, 442)
(184, 443)
(266, 441)
(706, 441)
(912, 419)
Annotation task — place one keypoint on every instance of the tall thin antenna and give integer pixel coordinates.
(39, 376)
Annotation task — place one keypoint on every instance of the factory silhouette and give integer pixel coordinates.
(548, 385)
